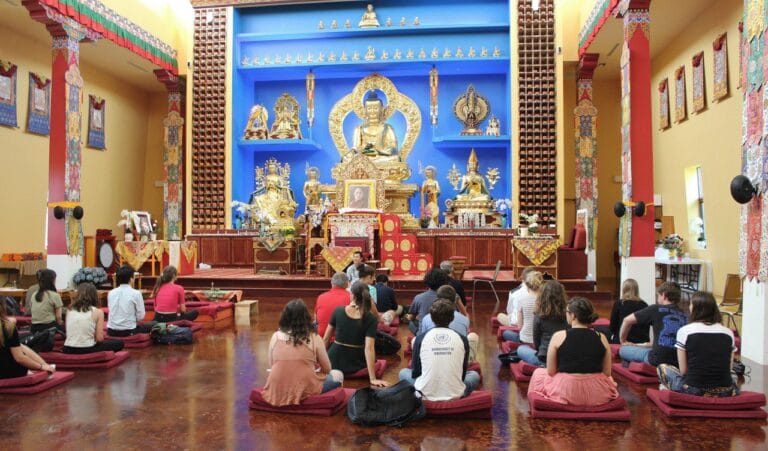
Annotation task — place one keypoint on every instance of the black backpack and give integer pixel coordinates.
(393, 406)
(168, 334)
(41, 341)
(386, 344)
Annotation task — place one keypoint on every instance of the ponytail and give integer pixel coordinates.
(169, 274)
(361, 297)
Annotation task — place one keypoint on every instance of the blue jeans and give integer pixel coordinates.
(634, 353)
(471, 380)
(670, 377)
(511, 335)
(528, 354)
(330, 384)
(413, 326)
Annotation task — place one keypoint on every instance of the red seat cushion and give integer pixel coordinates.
(94, 357)
(508, 346)
(477, 405)
(501, 329)
(119, 358)
(518, 371)
(602, 322)
(379, 366)
(632, 376)
(323, 404)
(539, 407)
(715, 411)
(615, 350)
(185, 323)
(546, 404)
(24, 381)
(391, 330)
(23, 320)
(57, 378)
(643, 368)
(130, 338)
(395, 322)
(745, 400)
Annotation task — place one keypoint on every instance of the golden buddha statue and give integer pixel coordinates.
(256, 128)
(369, 19)
(273, 198)
(287, 122)
(312, 187)
(374, 138)
(473, 186)
(430, 191)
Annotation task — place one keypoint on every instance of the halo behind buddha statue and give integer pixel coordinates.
(359, 101)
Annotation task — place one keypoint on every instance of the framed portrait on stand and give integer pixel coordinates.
(360, 194)
(142, 222)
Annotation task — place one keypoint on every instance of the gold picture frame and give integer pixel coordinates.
(360, 194)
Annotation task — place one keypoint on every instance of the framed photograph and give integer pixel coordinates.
(360, 194)
(96, 111)
(142, 222)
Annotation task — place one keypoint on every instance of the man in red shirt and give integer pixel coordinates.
(337, 296)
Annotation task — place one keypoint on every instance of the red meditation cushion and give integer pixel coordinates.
(605, 412)
(55, 379)
(24, 381)
(501, 329)
(186, 323)
(120, 357)
(325, 400)
(517, 372)
(23, 320)
(391, 330)
(745, 400)
(643, 368)
(714, 410)
(580, 237)
(94, 357)
(495, 324)
(615, 350)
(130, 338)
(508, 346)
(379, 367)
(637, 378)
(477, 405)
(395, 322)
(602, 322)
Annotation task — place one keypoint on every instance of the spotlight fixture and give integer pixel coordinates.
(620, 208)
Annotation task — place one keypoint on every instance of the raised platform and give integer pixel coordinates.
(269, 288)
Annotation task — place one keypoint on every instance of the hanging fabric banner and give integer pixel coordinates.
(8, 93)
(39, 116)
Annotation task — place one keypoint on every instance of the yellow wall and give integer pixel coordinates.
(152, 200)
(710, 139)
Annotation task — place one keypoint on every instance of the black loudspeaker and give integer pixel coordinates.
(742, 189)
(640, 208)
(58, 212)
(78, 212)
(619, 209)
(105, 253)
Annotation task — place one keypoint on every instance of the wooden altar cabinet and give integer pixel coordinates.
(274, 255)
(481, 247)
(537, 252)
(149, 257)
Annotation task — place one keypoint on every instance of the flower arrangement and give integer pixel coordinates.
(126, 222)
(503, 206)
(532, 221)
(672, 241)
(96, 276)
(425, 215)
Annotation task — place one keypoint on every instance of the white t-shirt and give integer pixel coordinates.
(439, 360)
(513, 303)
(528, 307)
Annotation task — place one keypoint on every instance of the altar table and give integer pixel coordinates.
(705, 270)
(537, 252)
(157, 254)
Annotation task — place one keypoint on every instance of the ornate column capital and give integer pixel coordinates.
(587, 65)
(625, 6)
(59, 25)
(172, 82)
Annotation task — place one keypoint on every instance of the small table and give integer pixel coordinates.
(537, 252)
(226, 296)
(705, 270)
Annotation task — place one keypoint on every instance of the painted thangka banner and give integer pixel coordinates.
(753, 240)
(681, 112)
(96, 117)
(585, 115)
(8, 93)
(720, 69)
(699, 92)
(39, 116)
(664, 104)
(625, 223)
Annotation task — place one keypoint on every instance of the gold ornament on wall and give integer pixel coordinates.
(471, 109)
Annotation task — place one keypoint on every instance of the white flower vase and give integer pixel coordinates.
(523, 232)
(128, 237)
(153, 237)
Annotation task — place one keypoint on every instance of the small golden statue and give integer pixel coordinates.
(496, 52)
(347, 24)
(344, 56)
(447, 53)
(321, 57)
(472, 53)
(278, 60)
(312, 186)
(409, 54)
(473, 187)
(494, 128)
(483, 52)
(332, 57)
(398, 54)
(471, 109)
(388, 22)
(369, 19)
(430, 191)
(459, 53)
(384, 55)
(403, 22)
(298, 59)
(375, 138)
(287, 122)
(321, 25)
(422, 54)
(435, 53)
(256, 61)
(370, 55)
(267, 61)
(309, 58)
(245, 61)
(356, 56)
(256, 128)
(334, 24)
(416, 21)
(287, 59)
(273, 199)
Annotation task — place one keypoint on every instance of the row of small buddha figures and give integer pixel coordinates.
(370, 55)
(369, 20)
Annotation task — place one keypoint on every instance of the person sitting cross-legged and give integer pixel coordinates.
(578, 368)
(629, 303)
(295, 351)
(459, 323)
(440, 359)
(513, 301)
(126, 307)
(169, 299)
(46, 305)
(549, 318)
(666, 318)
(85, 324)
(447, 266)
(337, 296)
(433, 279)
(357, 259)
(525, 304)
(386, 301)
(704, 353)
(16, 359)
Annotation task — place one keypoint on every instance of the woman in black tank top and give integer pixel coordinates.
(578, 362)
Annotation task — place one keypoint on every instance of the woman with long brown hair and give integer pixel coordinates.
(295, 350)
(549, 318)
(629, 303)
(355, 329)
(85, 324)
(169, 298)
(46, 305)
(15, 358)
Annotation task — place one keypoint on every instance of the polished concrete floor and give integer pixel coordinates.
(196, 397)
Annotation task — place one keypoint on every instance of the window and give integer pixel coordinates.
(694, 190)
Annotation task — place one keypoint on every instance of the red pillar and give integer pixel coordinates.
(173, 157)
(637, 137)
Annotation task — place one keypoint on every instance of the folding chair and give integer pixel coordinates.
(489, 281)
(732, 294)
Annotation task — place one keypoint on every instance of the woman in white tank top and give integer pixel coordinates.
(85, 324)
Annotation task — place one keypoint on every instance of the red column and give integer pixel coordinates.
(637, 148)
(173, 157)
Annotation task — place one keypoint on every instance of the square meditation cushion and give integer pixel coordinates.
(522, 371)
(379, 366)
(546, 404)
(643, 368)
(477, 405)
(68, 363)
(715, 411)
(391, 330)
(55, 379)
(94, 357)
(615, 350)
(745, 400)
(637, 378)
(323, 404)
(537, 401)
(501, 329)
(602, 322)
(24, 381)
(508, 346)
